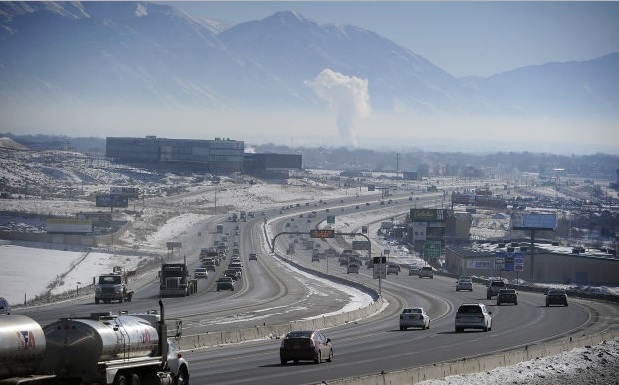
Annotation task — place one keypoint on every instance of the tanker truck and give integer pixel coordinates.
(100, 349)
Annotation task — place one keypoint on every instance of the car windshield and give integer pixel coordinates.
(469, 309)
(300, 333)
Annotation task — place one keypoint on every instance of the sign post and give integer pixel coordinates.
(379, 265)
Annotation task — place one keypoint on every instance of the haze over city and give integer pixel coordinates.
(453, 50)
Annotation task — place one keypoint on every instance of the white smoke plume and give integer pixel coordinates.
(347, 96)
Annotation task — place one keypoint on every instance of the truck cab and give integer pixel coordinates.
(111, 287)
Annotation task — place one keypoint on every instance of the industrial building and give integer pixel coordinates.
(551, 263)
(221, 155)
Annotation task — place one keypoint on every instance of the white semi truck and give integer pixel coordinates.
(100, 349)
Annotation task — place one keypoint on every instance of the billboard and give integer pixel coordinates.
(69, 225)
(428, 215)
(361, 245)
(131, 192)
(465, 199)
(112, 200)
(486, 265)
(524, 221)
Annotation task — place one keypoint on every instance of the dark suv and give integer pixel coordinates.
(494, 287)
(5, 307)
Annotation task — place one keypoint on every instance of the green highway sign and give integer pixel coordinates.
(431, 249)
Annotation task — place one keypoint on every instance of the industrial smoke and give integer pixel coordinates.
(347, 96)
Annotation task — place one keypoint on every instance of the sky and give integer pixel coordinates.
(463, 38)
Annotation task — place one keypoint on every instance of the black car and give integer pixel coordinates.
(507, 296)
(306, 345)
(225, 283)
(556, 297)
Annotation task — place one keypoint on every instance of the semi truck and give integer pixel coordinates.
(99, 349)
(112, 287)
(175, 280)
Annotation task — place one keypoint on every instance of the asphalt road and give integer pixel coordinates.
(269, 293)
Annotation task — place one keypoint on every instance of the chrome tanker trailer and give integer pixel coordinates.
(22, 346)
(100, 349)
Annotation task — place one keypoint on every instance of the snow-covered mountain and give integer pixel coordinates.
(151, 54)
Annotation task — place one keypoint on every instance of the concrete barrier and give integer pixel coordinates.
(476, 364)
(232, 336)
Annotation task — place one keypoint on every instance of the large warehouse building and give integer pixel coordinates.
(214, 156)
(219, 155)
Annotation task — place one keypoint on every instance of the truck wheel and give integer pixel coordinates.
(135, 379)
(183, 377)
(97, 301)
(120, 380)
(120, 300)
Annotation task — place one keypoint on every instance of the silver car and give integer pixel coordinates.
(464, 283)
(473, 316)
(414, 317)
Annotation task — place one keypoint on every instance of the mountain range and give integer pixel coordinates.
(135, 53)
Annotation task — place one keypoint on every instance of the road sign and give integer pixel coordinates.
(360, 245)
(379, 265)
(330, 219)
(431, 249)
(173, 245)
(322, 233)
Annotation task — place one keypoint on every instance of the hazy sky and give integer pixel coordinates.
(463, 38)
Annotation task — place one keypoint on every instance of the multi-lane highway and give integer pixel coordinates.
(270, 293)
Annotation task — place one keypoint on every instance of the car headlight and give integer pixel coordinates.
(97, 289)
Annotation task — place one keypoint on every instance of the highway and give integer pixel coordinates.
(270, 293)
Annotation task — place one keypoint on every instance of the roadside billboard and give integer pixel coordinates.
(112, 200)
(428, 215)
(525, 221)
(69, 226)
(131, 192)
(485, 265)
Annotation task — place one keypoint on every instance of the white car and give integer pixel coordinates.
(200, 272)
(464, 283)
(393, 268)
(414, 317)
(473, 316)
(427, 272)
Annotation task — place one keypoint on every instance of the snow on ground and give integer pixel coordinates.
(597, 364)
(29, 272)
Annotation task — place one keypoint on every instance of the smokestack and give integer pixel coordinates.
(347, 96)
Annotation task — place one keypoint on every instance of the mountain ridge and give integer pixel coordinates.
(148, 53)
